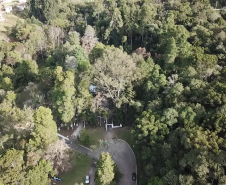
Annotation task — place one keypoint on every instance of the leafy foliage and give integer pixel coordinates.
(105, 170)
(114, 72)
(159, 63)
(84, 138)
(45, 128)
(11, 165)
(63, 94)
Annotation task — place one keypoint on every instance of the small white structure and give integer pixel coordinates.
(22, 1)
(8, 9)
(92, 88)
(1, 18)
(112, 125)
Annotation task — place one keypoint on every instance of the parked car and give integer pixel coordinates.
(87, 179)
(134, 176)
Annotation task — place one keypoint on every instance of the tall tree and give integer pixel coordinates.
(11, 167)
(114, 73)
(147, 17)
(39, 174)
(44, 10)
(89, 40)
(105, 170)
(26, 71)
(63, 94)
(45, 129)
(171, 51)
(115, 24)
(151, 128)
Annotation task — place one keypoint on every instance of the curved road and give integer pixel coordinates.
(121, 152)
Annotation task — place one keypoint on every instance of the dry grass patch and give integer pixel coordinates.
(5, 26)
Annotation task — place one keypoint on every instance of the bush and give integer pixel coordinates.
(84, 138)
(117, 173)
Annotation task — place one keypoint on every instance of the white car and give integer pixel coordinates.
(87, 179)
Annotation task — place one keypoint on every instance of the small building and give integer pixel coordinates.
(92, 88)
(22, 1)
(8, 9)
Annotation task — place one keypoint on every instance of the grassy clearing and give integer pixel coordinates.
(95, 135)
(125, 134)
(81, 164)
(5, 26)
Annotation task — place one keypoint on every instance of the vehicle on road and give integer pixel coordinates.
(57, 179)
(87, 179)
(134, 176)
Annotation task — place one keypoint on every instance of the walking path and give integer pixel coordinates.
(77, 131)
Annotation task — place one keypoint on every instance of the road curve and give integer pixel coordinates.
(121, 153)
(125, 159)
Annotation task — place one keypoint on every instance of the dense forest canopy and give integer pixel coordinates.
(159, 66)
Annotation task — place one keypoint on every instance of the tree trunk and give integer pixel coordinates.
(86, 20)
(109, 91)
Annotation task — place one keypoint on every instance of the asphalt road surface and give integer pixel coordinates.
(125, 159)
(120, 151)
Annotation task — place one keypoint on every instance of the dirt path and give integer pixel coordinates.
(109, 134)
(77, 131)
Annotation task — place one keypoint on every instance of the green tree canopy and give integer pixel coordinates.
(44, 10)
(114, 73)
(45, 129)
(39, 174)
(63, 94)
(105, 170)
(11, 167)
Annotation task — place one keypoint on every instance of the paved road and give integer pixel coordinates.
(125, 159)
(93, 154)
(122, 155)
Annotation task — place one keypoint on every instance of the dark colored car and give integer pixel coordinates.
(134, 176)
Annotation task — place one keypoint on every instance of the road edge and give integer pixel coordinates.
(133, 154)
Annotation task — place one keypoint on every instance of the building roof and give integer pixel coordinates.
(92, 88)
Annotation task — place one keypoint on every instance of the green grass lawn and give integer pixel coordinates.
(125, 134)
(95, 134)
(81, 164)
